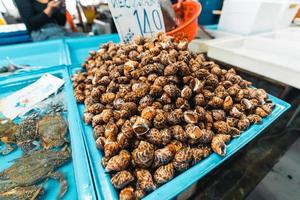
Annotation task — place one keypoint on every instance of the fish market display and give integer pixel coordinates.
(41, 135)
(158, 109)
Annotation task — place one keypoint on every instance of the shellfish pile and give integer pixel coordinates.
(157, 109)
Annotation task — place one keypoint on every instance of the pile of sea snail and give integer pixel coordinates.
(157, 109)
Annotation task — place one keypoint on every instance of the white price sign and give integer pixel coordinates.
(137, 17)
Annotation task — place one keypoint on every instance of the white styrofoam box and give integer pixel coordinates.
(287, 13)
(291, 34)
(201, 45)
(248, 17)
(276, 59)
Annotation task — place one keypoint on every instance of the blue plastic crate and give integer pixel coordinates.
(105, 190)
(47, 53)
(78, 48)
(77, 171)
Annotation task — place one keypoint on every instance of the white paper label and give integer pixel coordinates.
(24, 100)
(137, 17)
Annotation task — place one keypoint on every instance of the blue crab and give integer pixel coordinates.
(34, 168)
(52, 130)
(7, 131)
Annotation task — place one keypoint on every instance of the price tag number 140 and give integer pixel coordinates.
(148, 24)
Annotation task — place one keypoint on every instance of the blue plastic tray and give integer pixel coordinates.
(173, 188)
(78, 48)
(47, 53)
(77, 171)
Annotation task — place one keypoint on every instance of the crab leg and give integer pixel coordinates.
(62, 182)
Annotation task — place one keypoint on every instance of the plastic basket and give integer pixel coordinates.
(188, 22)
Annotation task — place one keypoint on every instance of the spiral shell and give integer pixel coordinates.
(261, 112)
(148, 113)
(129, 67)
(165, 99)
(111, 130)
(162, 137)
(140, 89)
(164, 174)
(199, 100)
(100, 142)
(162, 157)
(182, 159)
(171, 69)
(175, 117)
(196, 85)
(118, 162)
(145, 180)
(179, 133)
(199, 153)
(268, 107)
(127, 193)
(99, 131)
(88, 118)
(186, 92)
(218, 144)
(121, 179)
(106, 115)
(243, 124)
(184, 155)
(160, 120)
(228, 103)
(221, 127)
(234, 132)
(231, 121)
(108, 98)
(111, 148)
(234, 112)
(216, 102)
(190, 117)
(253, 118)
(141, 126)
(219, 115)
(143, 155)
(172, 90)
(175, 146)
(144, 102)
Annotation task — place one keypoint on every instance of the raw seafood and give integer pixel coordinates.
(52, 130)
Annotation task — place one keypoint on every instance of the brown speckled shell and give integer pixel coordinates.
(160, 120)
(218, 143)
(118, 162)
(143, 155)
(162, 157)
(221, 127)
(121, 179)
(111, 148)
(179, 133)
(168, 107)
(145, 180)
(164, 174)
(127, 193)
